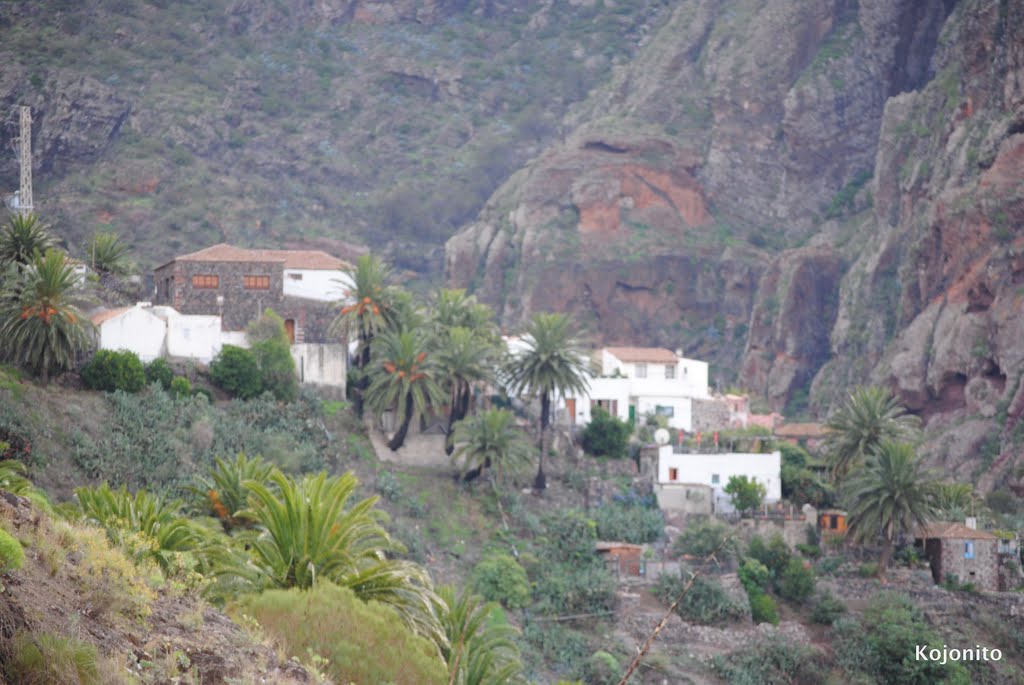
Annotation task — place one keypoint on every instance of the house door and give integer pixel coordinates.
(570, 408)
(289, 328)
(632, 414)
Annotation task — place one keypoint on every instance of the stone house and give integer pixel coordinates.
(238, 284)
(953, 548)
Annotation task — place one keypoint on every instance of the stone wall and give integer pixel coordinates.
(684, 498)
(982, 570)
(710, 415)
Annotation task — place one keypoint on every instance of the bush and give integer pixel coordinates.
(237, 372)
(159, 371)
(361, 642)
(868, 569)
(755, 576)
(774, 554)
(52, 659)
(809, 551)
(574, 588)
(797, 582)
(705, 603)
(180, 387)
(570, 537)
(557, 644)
(602, 668)
(704, 537)
(763, 608)
(827, 610)
(746, 493)
(111, 370)
(605, 435)
(273, 355)
(629, 522)
(500, 578)
(771, 661)
(12, 556)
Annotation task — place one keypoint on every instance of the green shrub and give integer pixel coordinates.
(203, 392)
(574, 588)
(273, 355)
(12, 556)
(111, 370)
(704, 537)
(746, 493)
(570, 537)
(159, 371)
(755, 576)
(237, 372)
(634, 521)
(772, 661)
(797, 582)
(49, 659)
(602, 668)
(705, 603)
(557, 644)
(774, 554)
(827, 610)
(763, 608)
(180, 387)
(868, 569)
(827, 566)
(500, 578)
(809, 551)
(605, 435)
(362, 642)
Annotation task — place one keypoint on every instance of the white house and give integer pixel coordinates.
(629, 382)
(131, 328)
(678, 471)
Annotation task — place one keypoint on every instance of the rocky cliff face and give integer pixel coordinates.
(812, 194)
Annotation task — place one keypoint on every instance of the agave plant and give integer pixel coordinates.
(478, 651)
(120, 513)
(222, 493)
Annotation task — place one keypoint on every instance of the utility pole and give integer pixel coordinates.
(25, 157)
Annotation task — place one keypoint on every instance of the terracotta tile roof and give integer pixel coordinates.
(293, 259)
(952, 530)
(605, 546)
(107, 315)
(657, 355)
(801, 430)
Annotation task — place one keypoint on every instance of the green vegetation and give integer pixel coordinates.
(21, 238)
(606, 435)
(747, 494)
(488, 440)
(772, 660)
(707, 537)
(705, 603)
(869, 416)
(45, 658)
(500, 578)
(629, 519)
(108, 254)
(237, 372)
(159, 371)
(12, 556)
(272, 350)
(111, 370)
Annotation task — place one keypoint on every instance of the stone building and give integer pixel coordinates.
(238, 284)
(955, 549)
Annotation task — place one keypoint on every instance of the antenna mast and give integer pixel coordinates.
(25, 156)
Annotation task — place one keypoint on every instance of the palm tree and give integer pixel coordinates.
(464, 359)
(553, 363)
(108, 254)
(477, 650)
(21, 238)
(888, 496)
(222, 492)
(38, 324)
(403, 378)
(369, 309)
(489, 440)
(454, 308)
(870, 416)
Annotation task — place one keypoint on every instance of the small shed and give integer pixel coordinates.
(622, 558)
(832, 522)
(955, 549)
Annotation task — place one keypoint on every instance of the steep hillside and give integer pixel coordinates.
(811, 194)
(334, 122)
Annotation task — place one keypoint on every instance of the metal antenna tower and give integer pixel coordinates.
(25, 157)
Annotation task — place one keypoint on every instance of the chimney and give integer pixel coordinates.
(971, 522)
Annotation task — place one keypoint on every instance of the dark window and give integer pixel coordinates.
(207, 281)
(667, 411)
(256, 282)
(295, 277)
(833, 521)
(670, 371)
(673, 474)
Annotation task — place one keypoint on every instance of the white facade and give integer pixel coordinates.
(716, 469)
(136, 329)
(320, 364)
(193, 336)
(325, 285)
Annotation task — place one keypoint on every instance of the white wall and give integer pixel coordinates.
(136, 330)
(702, 468)
(326, 285)
(682, 409)
(320, 364)
(193, 336)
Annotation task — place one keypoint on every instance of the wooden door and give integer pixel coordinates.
(289, 328)
(570, 408)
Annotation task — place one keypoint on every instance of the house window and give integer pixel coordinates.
(715, 479)
(295, 277)
(256, 282)
(206, 281)
(641, 369)
(662, 410)
(833, 521)
(673, 474)
(670, 371)
(968, 549)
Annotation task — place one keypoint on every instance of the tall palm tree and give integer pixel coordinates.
(368, 309)
(463, 359)
(403, 379)
(489, 440)
(552, 363)
(870, 416)
(890, 495)
(22, 237)
(39, 326)
(456, 309)
(477, 650)
(108, 254)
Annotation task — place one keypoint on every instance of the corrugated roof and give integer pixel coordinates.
(108, 314)
(657, 355)
(293, 259)
(947, 530)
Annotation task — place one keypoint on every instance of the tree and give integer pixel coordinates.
(477, 650)
(489, 440)
(464, 359)
(456, 309)
(273, 354)
(39, 326)
(403, 379)
(888, 496)
(368, 310)
(870, 416)
(552, 363)
(606, 435)
(22, 237)
(747, 494)
(237, 371)
(108, 254)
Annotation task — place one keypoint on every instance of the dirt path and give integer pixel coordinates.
(419, 449)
